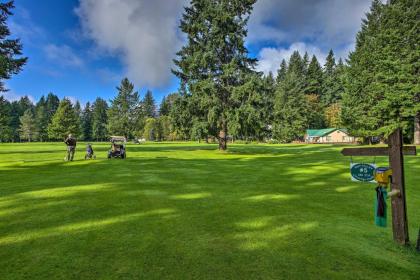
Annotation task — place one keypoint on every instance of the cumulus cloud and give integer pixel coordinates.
(62, 55)
(314, 26)
(143, 33)
(269, 59)
(324, 23)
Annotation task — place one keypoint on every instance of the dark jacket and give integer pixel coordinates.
(70, 141)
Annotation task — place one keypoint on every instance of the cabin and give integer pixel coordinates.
(328, 135)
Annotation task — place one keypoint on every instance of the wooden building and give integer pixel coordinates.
(328, 135)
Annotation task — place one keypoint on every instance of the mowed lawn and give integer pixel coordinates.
(188, 211)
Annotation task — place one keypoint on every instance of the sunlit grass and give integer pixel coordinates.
(188, 211)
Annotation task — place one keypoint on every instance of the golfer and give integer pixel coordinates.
(71, 147)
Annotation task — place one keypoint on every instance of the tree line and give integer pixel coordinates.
(223, 97)
(52, 119)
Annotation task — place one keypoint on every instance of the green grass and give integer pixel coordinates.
(188, 211)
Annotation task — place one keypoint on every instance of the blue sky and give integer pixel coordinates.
(81, 49)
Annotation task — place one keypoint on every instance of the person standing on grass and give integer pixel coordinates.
(71, 147)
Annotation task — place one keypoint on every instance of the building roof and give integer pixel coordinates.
(322, 132)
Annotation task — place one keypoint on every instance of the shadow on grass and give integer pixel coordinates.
(235, 217)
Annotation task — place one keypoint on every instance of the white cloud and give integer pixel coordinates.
(143, 33)
(269, 59)
(324, 23)
(63, 55)
(313, 26)
(13, 96)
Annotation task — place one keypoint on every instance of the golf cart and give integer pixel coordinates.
(117, 147)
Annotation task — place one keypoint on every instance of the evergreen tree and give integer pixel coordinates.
(15, 114)
(18, 108)
(382, 93)
(297, 65)
(164, 107)
(41, 119)
(167, 103)
(78, 110)
(199, 130)
(10, 49)
(99, 119)
(5, 119)
(332, 89)
(249, 120)
(314, 78)
(28, 127)
(281, 73)
(123, 115)
(268, 97)
(215, 61)
(87, 118)
(64, 122)
(149, 105)
(290, 108)
(330, 65)
(182, 116)
(51, 104)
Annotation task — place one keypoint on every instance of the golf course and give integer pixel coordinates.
(189, 211)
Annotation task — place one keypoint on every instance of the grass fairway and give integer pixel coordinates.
(188, 211)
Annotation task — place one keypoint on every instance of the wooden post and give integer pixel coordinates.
(398, 203)
(395, 151)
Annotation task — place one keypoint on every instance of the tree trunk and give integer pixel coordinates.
(223, 137)
(417, 129)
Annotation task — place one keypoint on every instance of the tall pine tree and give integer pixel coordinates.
(64, 121)
(51, 103)
(281, 73)
(11, 61)
(99, 119)
(5, 119)
(149, 105)
(87, 122)
(41, 119)
(215, 61)
(123, 115)
(290, 109)
(332, 88)
(382, 92)
(314, 77)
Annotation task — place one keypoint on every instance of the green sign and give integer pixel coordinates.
(362, 172)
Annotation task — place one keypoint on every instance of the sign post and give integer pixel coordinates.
(395, 152)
